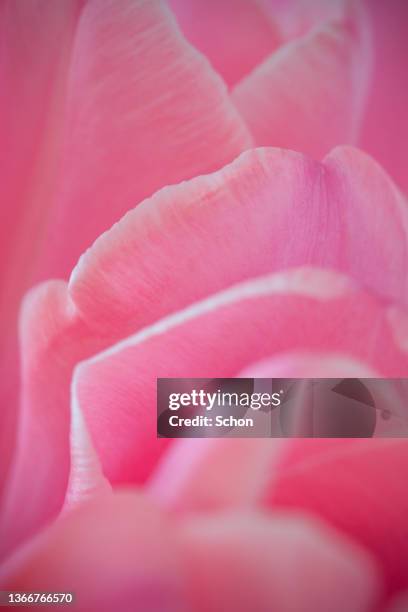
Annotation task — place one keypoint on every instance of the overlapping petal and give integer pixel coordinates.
(309, 95)
(234, 472)
(86, 478)
(119, 106)
(185, 243)
(235, 35)
(221, 335)
(355, 91)
(278, 562)
(111, 553)
(268, 210)
(119, 79)
(305, 365)
(35, 39)
(143, 110)
(358, 487)
(385, 130)
(297, 18)
(124, 550)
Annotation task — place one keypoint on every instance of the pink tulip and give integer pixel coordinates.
(199, 188)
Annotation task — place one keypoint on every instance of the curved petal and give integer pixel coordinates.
(318, 310)
(235, 35)
(185, 243)
(39, 473)
(36, 40)
(212, 474)
(306, 365)
(143, 110)
(196, 238)
(276, 562)
(36, 36)
(114, 553)
(111, 553)
(358, 487)
(309, 96)
(375, 214)
(385, 130)
(120, 105)
(297, 18)
(86, 478)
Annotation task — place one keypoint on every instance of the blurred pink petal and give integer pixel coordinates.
(112, 553)
(308, 365)
(143, 110)
(174, 245)
(357, 486)
(39, 474)
(234, 473)
(390, 398)
(123, 551)
(398, 603)
(116, 390)
(277, 562)
(385, 133)
(384, 126)
(35, 37)
(296, 18)
(309, 95)
(374, 214)
(104, 83)
(235, 35)
(103, 104)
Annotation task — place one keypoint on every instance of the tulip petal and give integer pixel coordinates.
(235, 35)
(36, 36)
(297, 18)
(376, 221)
(308, 96)
(143, 110)
(357, 487)
(196, 238)
(86, 477)
(398, 603)
(306, 365)
(123, 551)
(185, 243)
(234, 472)
(39, 473)
(283, 563)
(120, 105)
(109, 553)
(116, 389)
(385, 130)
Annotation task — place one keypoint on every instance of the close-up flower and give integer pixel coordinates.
(198, 189)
